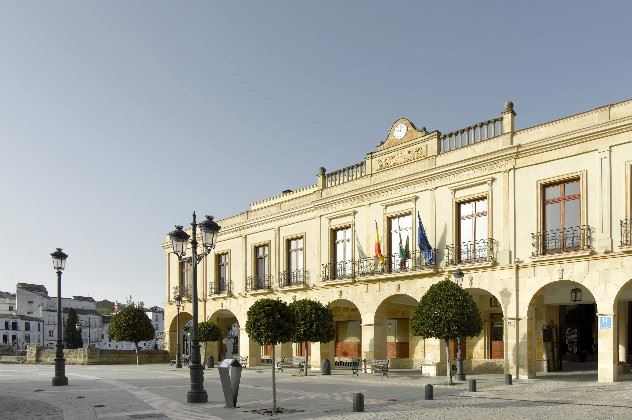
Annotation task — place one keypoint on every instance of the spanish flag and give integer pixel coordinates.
(378, 248)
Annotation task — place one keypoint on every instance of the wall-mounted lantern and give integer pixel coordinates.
(576, 294)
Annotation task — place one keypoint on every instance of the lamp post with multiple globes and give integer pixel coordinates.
(179, 241)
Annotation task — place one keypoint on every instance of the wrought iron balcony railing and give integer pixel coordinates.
(626, 232)
(471, 252)
(219, 288)
(575, 238)
(182, 292)
(292, 278)
(338, 270)
(259, 282)
(417, 260)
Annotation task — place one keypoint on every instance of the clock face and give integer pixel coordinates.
(400, 131)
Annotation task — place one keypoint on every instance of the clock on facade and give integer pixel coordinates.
(400, 131)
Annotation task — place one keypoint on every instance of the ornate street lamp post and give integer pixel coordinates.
(460, 373)
(59, 262)
(177, 298)
(179, 239)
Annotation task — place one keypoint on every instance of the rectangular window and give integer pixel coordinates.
(473, 231)
(295, 255)
(27, 339)
(51, 333)
(562, 216)
(14, 325)
(184, 276)
(221, 262)
(343, 252)
(14, 339)
(6, 325)
(262, 265)
(10, 307)
(5, 339)
(27, 326)
(400, 242)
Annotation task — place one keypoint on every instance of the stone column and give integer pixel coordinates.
(314, 356)
(368, 341)
(607, 353)
(249, 348)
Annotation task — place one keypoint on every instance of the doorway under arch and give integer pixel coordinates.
(562, 326)
(228, 324)
(392, 338)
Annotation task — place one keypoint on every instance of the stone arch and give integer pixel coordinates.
(348, 340)
(559, 327)
(487, 352)
(177, 325)
(229, 324)
(391, 330)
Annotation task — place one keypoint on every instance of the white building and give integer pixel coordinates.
(157, 317)
(18, 331)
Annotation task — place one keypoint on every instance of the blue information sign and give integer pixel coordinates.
(605, 322)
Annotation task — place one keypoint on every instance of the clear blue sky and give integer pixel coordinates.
(119, 118)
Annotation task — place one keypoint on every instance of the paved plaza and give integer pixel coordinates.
(159, 392)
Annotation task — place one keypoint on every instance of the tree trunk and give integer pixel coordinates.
(306, 356)
(273, 382)
(137, 358)
(448, 364)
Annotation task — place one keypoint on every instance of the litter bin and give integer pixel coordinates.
(325, 369)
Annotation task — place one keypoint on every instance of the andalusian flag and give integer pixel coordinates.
(378, 248)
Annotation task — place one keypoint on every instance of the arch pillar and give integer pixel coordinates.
(607, 366)
(249, 348)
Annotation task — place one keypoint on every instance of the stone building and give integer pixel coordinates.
(538, 219)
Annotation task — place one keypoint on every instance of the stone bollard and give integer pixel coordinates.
(358, 402)
(325, 369)
(211, 362)
(429, 391)
(508, 379)
(472, 385)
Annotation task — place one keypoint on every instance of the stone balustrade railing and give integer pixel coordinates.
(473, 134)
(345, 174)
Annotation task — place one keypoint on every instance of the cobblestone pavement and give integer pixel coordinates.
(159, 392)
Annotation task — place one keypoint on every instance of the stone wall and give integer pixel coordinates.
(96, 356)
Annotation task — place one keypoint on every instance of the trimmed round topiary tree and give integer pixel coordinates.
(131, 324)
(270, 321)
(314, 323)
(208, 331)
(446, 312)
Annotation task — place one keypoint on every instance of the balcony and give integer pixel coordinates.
(371, 266)
(472, 252)
(626, 232)
(219, 289)
(259, 282)
(295, 278)
(394, 264)
(182, 291)
(557, 241)
(341, 270)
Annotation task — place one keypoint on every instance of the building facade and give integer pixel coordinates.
(538, 219)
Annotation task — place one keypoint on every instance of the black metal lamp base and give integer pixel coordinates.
(60, 381)
(197, 396)
(460, 376)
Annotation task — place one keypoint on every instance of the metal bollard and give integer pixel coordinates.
(211, 362)
(325, 369)
(508, 379)
(472, 385)
(428, 392)
(358, 402)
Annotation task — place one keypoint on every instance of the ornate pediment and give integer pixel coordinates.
(402, 131)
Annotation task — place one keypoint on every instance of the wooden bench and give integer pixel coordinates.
(379, 367)
(291, 362)
(351, 364)
(184, 359)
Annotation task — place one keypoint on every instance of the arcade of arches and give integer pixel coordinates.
(559, 324)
